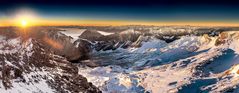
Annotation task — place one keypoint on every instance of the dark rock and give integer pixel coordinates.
(126, 44)
(221, 39)
(116, 46)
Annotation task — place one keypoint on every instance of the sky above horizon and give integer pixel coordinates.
(123, 12)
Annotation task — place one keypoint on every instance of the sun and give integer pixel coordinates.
(24, 23)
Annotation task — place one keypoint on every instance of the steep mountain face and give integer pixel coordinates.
(60, 44)
(31, 65)
(64, 46)
(91, 35)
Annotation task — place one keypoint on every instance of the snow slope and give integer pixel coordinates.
(105, 33)
(190, 64)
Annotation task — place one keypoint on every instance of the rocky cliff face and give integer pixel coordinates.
(33, 66)
(61, 44)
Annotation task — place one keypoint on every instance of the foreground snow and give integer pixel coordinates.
(30, 86)
(188, 65)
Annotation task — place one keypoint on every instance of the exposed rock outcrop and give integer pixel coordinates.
(32, 64)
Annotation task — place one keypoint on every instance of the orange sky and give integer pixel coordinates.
(59, 22)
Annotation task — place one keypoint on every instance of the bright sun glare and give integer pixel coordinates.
(24, 23)
(25, 18)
